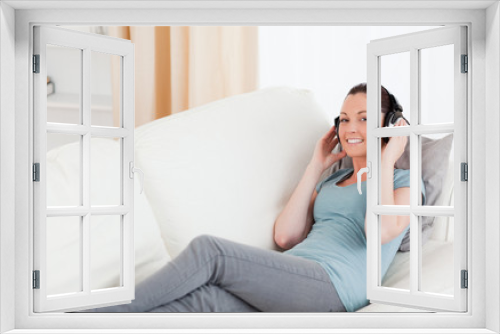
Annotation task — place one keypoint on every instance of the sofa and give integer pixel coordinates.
(226, 168)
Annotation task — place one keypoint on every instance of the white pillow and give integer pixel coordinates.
(63, 237)
(150, 251)
(228, 168)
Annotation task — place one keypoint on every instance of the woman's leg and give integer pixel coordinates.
(267, 280)
(208, 298)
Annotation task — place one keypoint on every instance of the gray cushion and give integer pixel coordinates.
(435, 158)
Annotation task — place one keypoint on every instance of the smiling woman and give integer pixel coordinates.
(352, 133)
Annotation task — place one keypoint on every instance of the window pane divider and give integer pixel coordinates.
(419, 210)
(84, 129)
(417, 129)
(86, 121)
(447, 211)
(415, 170)
(433, 128)
(392, 210)
(67, 128)
(82, 211)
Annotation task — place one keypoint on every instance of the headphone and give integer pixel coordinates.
(391, 117)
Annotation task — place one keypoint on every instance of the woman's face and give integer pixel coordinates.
(352, 128)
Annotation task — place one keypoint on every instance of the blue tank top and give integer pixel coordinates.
(337, 239)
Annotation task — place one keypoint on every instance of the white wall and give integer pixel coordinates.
(492, 157)
(326, 60)
(7, 168)
(330, 60)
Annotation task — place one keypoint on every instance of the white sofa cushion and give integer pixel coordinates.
(227, 168)
(63, 249)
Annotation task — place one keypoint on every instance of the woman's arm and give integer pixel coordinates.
(295, 221)
(392, 226)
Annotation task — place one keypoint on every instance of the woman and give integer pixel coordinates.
(321, 228)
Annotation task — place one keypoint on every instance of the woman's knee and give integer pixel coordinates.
(212, 245)
(204, 242)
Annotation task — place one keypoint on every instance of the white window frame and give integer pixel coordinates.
(86, 44)
(484, 103)
(412, 44)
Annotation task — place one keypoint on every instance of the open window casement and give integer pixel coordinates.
(433, 66)
(67, 213)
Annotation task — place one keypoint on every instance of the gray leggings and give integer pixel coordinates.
(218, 275)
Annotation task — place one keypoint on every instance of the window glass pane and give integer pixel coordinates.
(437, 255)
(392, 175)
(437, 163)
(106, 169)
(105, 89)
(437, 83)
(63, 170)
(394, 270)
(395, 77)
(63, 255)
(105, 252)
(64, 84)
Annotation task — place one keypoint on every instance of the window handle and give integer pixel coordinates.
(366, 170)
(133, 170)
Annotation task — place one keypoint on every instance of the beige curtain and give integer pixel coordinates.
(177, 68)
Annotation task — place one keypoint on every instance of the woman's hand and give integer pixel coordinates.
(323, 157)
(395, 148)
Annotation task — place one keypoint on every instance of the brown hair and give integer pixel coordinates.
(386, 100)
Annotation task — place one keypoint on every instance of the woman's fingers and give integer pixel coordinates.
(330, 134)
(401, 139)
(331, 142)
(328, 140)
(401, 122)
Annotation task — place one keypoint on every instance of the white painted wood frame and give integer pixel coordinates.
(86, 44)
(414, 44)
(483, 17)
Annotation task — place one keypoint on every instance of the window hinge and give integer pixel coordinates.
(36, 279)
(36, 172)
(465, 64)
(464, 171)
(465, 279)
(36, 63)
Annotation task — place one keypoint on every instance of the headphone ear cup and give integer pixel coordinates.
(337, 125)
(389, 116)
